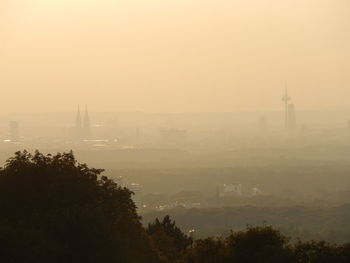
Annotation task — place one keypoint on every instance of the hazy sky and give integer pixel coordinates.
(173, 55)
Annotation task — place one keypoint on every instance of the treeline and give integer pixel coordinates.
(54, 210)
(329, 223)
(255, 244)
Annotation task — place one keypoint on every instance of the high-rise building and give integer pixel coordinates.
(86, 124)
(78, 120)
(14, 131)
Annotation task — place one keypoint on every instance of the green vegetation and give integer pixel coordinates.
(169, 239)
(329, 223)
(54, 209)
(264, 244)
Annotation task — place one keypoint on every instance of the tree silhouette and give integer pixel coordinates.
(321, 252)
(207, 250)
(255, 244)
(168, 238)
(54, 209)
(258, 244)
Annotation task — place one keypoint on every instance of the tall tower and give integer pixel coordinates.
(291, 117)
(78, 120)
(86, 123)
(286, 100)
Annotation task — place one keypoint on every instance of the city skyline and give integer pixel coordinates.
(180, 131)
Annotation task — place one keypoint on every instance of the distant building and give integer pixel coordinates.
(86, 125)
(256, 191)
(78, 125)
(290, 117)
(232, 189)
(14, 131)
(82, 129)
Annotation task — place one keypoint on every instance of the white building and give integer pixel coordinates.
(232, 189)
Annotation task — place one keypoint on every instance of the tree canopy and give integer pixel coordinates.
(54, 209)
(169, 239)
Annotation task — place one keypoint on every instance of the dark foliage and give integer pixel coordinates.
(169, 239)
(329, 223)
(264, 244)
(321, 252)
(207, 250)
(54, 209)
(257, 244)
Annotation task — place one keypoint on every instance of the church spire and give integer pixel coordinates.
(78, 119)
(86, 122)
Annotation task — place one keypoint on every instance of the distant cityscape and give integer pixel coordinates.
(155, 130)
(128, 140)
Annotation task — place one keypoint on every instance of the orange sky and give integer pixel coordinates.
(180, 55)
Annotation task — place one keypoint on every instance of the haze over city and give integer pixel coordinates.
(173, 56)
(163, 131)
